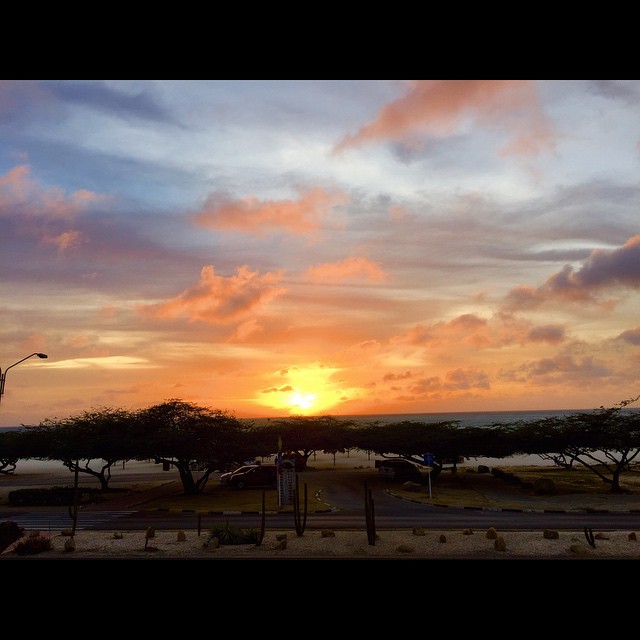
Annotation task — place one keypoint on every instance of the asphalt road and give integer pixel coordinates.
(344, 502)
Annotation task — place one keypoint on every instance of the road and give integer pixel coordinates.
(344, 502)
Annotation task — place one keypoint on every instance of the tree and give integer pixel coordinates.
(301, 436)
(604, 441)
(411, 440)
(90, 442)
(192, 439)
(9, 451)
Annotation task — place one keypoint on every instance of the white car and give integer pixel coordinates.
(224, 477)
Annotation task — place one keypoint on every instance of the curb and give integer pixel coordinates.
(516, 510)
(235, 513)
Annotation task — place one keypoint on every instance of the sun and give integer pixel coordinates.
(301, 400)
(302, 390)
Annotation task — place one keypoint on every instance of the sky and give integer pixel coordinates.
(319, 247)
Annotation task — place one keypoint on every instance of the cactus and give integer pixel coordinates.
(588, 534)
(299, 524)
(73, 508)
(369, 514)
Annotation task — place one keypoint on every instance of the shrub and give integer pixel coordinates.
(55, 496)
(231, 534)
(33, 544)
(9, 533)
(544, 487)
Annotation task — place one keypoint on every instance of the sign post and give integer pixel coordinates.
(429, 459)
(429, 470)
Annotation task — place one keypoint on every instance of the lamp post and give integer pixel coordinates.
(3, 376)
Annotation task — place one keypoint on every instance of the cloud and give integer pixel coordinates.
(602, 270)
(559, 368)
(219, 299)
(284, 389)
(632, 336)
(21, 197)
(19, 97)
(137, 101)
(551, 333)
(251, 215)
(454, 380)
(345, 269)
(443, 108)
(64, 241)
(245, 330)
(389, 377)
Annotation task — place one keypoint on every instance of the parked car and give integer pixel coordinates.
(399, 469)
(255, 475)
(224, 477)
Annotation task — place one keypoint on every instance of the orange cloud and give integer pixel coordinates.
(250, 215)
(454, 380)
(218, 299)
(246, 329)
(469, 330)
(440, 108)
(345, 269)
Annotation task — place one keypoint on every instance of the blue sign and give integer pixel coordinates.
(429, 459)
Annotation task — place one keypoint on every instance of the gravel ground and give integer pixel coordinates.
(397, 544)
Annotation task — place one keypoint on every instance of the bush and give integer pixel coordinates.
(231, 534)
(55, 496)
(9, 533)
(33, 544)
(544, 487)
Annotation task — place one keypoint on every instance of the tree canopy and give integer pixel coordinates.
(198, 441)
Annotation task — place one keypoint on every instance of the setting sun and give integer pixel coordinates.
(302, 400)
(311, 388)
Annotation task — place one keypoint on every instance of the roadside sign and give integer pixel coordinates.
(429, 459)
(286, 482)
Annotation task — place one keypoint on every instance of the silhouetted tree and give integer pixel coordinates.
(604, 441)
(90, 442)
(195, 440)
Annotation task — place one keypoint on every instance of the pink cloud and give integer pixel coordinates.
(440, 108)
(251, 215)
(345, 269)
(21, 195)
(64, 241)
(219, 299)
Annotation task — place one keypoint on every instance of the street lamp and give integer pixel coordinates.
(3, 376)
